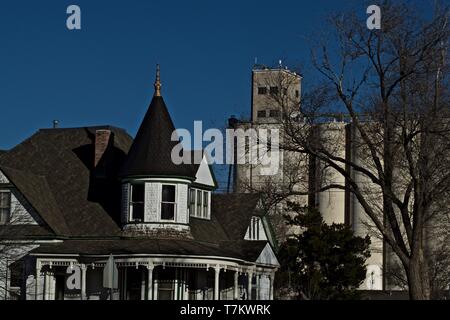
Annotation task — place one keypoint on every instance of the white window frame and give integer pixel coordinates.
(8, 217)
(199, 207)
(131, 203)
(175, 207)
(192, 205)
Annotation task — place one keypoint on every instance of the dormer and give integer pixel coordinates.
(154, 189)
(201, 188)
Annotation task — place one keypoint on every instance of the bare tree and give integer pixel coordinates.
(393, 86)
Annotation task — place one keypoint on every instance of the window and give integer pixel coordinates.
(205, 204)
(199, 203)
(297, 93)
(269, 145)
(261, 113)
(262, 90)
(253, 229)
(137, 202)
(274, 113)
(5, 206)
(274, 91)
(168, 202)
(192, 201)
(247, 145)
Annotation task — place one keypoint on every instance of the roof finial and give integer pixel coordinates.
(157, 82)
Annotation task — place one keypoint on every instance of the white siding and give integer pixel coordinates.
(152, 201)
(267, 257)
(182, 202)
(125, 202)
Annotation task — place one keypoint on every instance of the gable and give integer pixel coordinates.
(21, 212)
(3, 178)
(233, 211)
(204, 175)
(268, 257)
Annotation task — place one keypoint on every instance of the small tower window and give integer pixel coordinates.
(137, 202)
(261, 113)
(5, 206)
(274, 91)
(262, 90)
(168, 202)
(274, 113)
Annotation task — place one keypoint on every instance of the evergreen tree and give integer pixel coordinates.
(323, 261)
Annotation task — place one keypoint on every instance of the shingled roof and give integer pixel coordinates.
(245, 251)
(150, 153)
(53, 169)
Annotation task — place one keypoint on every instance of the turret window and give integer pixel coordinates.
(168, 203)
(199, 203)
(205, 204)
(137, 202)
(192, 201)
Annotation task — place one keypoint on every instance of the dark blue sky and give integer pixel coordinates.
(104, 73)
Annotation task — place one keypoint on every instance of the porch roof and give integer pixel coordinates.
(226, 249)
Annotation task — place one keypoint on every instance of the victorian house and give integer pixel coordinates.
(90, 213)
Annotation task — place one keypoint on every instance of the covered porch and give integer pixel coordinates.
(150, 278)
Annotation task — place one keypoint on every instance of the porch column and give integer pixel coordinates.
(236, 285)
(258, 286)
(176, 285)
(155, 286)
(39, 282)
(143, 288)
(50, 286)
(249, 284)
(216, 282)
(150, 268)
(30, 286)
(272, 279)
(46, 289)
(83, 281)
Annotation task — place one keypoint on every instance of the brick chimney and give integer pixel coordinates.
(102, 140)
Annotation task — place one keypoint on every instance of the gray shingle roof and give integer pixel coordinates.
(154, 246)
(53, 169)
(150, 153)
